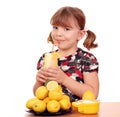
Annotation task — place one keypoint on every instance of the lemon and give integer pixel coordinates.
(59, 88)
(58, 54)
(88, 95)
(65, 104)
(51, 85)
(64, 96)
(30, 102)
(53, 106)
(46, 100)
(46, 82)
(89, 106)
(41, 92)
(55, 95)
(75, 105)
(39, 106)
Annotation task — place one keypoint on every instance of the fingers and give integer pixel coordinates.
(51, 71)
(46, 74)
(41, 76)
(40, 79)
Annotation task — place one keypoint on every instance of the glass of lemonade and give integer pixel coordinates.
(51, 60)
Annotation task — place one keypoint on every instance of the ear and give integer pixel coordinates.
(81, 34)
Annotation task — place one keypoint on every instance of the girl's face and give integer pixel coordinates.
(66, 38)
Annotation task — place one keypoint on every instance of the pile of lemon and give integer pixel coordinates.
(49, 98)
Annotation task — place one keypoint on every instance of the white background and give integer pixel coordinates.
(24, 28)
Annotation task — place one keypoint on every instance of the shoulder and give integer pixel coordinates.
(86, 54)
(88, 61)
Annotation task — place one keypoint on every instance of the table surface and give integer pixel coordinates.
(107, 109)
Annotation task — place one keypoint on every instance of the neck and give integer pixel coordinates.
(67, 52)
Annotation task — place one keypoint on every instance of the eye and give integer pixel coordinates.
(67, 28)
(55, 27)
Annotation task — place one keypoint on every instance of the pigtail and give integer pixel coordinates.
(49, 39)
(89, 41)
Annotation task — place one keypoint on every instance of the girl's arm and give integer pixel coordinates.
(40, 79)
(91, 82)
(36, 85)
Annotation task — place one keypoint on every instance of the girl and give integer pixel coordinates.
(78, 69)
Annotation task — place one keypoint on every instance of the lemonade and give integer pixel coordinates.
(51, 59)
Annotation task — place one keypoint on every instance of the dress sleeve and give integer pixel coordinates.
(90, 63)
(40, 62)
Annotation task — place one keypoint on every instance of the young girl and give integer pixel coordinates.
(78, 69)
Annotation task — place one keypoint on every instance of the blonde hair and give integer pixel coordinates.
(62, 18)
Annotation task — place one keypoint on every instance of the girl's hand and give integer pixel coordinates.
(41, 75)
(56, 74)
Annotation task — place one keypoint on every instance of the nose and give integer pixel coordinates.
(59, 32)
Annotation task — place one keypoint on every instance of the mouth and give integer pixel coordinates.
(56, 42)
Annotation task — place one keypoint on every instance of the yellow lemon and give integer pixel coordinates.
(89, 106)
(59, 88)
(53, 106)
(39, 106)
(64, 96)
(46, 100)
(41, 92)
(75, 105)
(30, 102)
(51, 85)
(88, 95)
(55, 95)
(58, 54)
(65, 104)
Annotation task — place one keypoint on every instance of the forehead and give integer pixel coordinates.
(64, 20)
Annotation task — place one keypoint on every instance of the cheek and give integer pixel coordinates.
(52, 35)
(72, 36)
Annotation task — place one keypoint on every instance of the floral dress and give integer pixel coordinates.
(74, 66)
